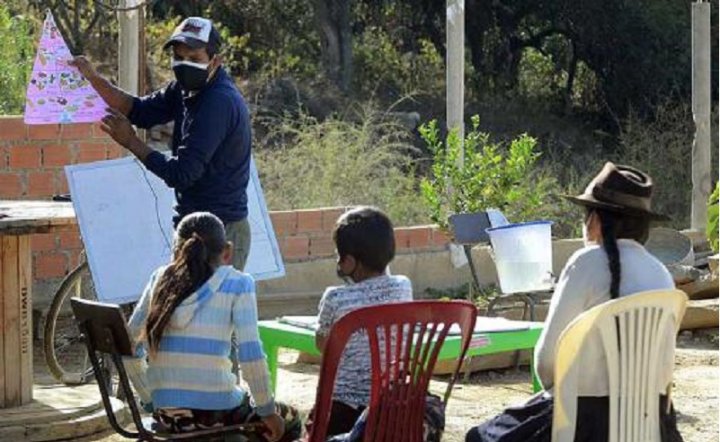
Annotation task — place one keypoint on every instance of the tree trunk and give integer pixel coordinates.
(69, 20)
(572, 70)
(476, 23)
(346, 53)
(333, 21)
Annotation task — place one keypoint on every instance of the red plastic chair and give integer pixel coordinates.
(399, 382)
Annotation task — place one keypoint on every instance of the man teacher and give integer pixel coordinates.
(209, 165)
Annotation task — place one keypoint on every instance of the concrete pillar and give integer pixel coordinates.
(701, 167)
(129, 47)
(455, 64)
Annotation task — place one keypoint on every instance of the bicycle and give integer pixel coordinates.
(63, 343)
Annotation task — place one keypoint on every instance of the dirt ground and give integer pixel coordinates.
(485, 394)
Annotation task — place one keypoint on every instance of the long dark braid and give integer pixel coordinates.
(199, 241)
(608, 228)
(613, 226)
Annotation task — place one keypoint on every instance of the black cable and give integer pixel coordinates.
(157, 205)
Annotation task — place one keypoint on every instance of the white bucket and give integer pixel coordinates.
(523, 256)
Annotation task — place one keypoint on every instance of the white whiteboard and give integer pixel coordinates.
(125, 217)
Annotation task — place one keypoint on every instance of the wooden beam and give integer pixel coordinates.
(11, 321)
(25, 312)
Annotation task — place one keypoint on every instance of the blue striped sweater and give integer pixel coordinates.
(192, 368)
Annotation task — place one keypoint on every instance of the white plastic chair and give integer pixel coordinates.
(633, 330)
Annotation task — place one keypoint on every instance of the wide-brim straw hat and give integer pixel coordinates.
(621, 189)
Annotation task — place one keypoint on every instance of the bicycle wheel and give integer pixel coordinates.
(65, 351)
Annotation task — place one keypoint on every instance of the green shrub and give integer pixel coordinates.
(538, 77)
(712, 227)
(492, 175)
(17, 50)
(380, 66)
(662, 147)
(308, 163)
(481, 297)
(543, 78)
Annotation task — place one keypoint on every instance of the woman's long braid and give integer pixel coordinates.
(608, 227)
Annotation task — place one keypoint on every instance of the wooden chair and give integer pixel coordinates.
(401, 365)
(633, 331)
(105, 331)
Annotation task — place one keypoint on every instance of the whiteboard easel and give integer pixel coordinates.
(125, 218)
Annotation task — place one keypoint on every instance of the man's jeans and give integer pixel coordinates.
(238, 233)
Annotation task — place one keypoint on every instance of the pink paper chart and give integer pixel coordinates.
(58, 92)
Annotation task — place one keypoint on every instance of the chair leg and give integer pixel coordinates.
(134, 411)
(468, 370)
(105, 395)
(491, 305)
(532, 302)
(526, 303)
(476, 280)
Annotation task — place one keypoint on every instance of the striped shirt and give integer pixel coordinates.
(352, 383)
(192, 368)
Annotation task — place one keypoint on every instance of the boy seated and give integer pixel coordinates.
(365, 244)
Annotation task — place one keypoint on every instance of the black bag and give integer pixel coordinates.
(433, 425)
(529, 422)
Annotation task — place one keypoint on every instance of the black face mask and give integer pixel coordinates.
(191, 76)
(347, 279)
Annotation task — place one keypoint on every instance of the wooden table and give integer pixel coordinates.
(18, 221)
(275, 335)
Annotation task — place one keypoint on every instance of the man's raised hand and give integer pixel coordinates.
(84, 66)
(121, 130)
(118, 127)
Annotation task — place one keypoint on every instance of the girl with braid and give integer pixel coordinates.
(612, 264)
(182, 327)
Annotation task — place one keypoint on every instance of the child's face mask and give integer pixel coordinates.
(346, 277)
(343, 276)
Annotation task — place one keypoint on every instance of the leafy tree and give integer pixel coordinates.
(334, 22)
(76, 19)
(282, 36)
(712, 227)
(17, 50)
(491, 175)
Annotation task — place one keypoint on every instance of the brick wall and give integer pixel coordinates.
(307, 234)
(31, 167)
(32, 157)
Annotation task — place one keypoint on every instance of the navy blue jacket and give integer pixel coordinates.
(210, 163)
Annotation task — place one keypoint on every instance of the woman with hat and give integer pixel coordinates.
(612, 264)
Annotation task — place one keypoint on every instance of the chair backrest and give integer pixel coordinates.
(401, 366)
(106, 324)
(105, 331)
(633, 331)
(469, 228)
